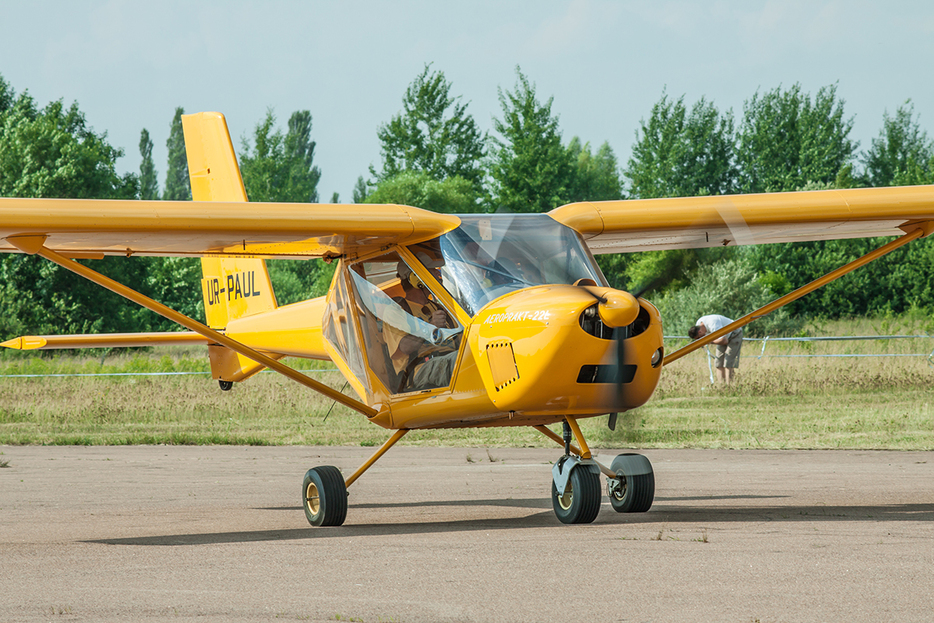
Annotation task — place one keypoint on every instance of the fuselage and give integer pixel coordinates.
(529, 335)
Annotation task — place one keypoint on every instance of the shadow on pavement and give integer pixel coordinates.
(662, 513)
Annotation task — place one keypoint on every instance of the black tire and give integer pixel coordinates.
(636, 491)
(324, 496)
(581, 500)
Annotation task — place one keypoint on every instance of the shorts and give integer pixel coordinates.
(728, 354)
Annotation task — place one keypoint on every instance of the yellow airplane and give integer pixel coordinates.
(436, 320)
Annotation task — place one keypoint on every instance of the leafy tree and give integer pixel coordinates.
(596, 176)
(360, 190)
(531, 170)
(6, 95)
(177, 183)
(683, 154)
(175, 282)
(894, 283)
(281, 168)
(417, 188)
(731, 288)
(902, 155)
(51, 152)
(335, 197)
(148, 186)
(787, 140)
(790, 142)
(433, 134)
(678, 153)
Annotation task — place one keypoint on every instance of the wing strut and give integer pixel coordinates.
(35, 245)
(922, 229)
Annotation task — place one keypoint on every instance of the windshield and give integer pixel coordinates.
(490, 255)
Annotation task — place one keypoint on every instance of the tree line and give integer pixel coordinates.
(434, 155)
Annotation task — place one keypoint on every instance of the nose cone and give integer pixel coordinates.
(616, 308)
(535, 357)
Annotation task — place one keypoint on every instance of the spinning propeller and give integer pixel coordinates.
(616, 310)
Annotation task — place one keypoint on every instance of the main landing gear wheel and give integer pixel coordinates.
(324, 496)
(581, 500)
(633, 489)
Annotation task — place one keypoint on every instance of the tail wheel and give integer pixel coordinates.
(324, 496)
(633, 489)
(581, 500)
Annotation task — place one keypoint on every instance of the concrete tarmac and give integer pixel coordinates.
(161, 533)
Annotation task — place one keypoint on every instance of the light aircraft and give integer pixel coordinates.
(436, 320)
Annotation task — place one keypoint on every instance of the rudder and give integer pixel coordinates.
(232, 287)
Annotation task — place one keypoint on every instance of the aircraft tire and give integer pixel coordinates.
(581, 501)
(637, 490)
(324, 496)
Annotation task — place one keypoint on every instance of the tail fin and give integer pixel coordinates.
(232, 287)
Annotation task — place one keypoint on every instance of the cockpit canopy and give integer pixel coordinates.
(411, 339)
(490, 255)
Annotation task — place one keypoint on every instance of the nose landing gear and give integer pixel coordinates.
(575, 486)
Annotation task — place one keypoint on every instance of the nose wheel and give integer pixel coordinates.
(579, 501)
(575, 484)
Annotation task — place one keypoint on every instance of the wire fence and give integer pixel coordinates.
(710, 356)
(841, 338)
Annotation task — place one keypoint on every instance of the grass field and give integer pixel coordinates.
(782, 400)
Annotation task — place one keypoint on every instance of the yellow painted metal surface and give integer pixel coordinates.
(195, 228)
(696, 222)
(292, 330)
(549, 347)
(104, 340)
(212, 163)
(233, 288)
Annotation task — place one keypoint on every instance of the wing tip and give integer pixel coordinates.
(26, 342)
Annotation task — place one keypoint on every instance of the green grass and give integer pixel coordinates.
(777, 403)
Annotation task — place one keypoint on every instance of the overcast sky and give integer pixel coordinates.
(605, 63)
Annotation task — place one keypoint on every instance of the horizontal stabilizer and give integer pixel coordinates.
(103, 340)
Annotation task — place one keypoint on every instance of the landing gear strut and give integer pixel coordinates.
(575, 487)
(575, 484)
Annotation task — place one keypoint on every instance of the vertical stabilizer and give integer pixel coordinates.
(232, 287)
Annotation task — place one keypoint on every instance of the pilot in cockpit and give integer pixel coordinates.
(418, 363)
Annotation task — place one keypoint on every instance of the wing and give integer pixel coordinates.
(695, 222)
(85, 228)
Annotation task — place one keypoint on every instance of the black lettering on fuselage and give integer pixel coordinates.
(239, 285)
(214, 291)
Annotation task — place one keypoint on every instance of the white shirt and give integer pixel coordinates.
(715, 322)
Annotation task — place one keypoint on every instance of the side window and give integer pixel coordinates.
(411, 339)
(339, 328)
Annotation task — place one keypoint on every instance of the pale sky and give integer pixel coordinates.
(605, 63)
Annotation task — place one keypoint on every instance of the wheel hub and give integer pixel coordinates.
(616, 487)
(565, 500)
(312, 499)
